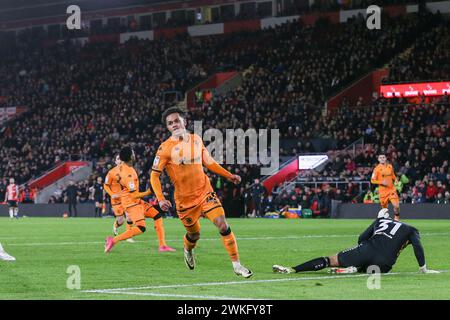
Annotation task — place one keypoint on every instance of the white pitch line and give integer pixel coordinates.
(54, 243)
(206, 284)
(180, 240)
(209, 239)
(176, 295)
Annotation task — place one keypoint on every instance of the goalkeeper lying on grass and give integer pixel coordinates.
(379, 245)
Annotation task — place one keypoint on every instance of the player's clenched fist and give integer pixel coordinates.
(165, 205)
(235, 179)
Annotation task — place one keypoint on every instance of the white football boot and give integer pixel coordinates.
(281, 269)
(5, 256)
(240, 270)
(189, 259)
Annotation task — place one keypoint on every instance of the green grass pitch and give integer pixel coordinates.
(46, 247)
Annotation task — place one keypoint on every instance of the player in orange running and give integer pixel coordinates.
(384, 176)
(136, 209)
(113, 189)
(183, 156)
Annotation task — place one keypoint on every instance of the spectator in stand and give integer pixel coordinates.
(338, 195)
(368, 198)
(350, 164)
(276, 190)
(447, 197)
(3, 185)
(58, 195)
(439, 199)
(405, 198)
(419, 198)
(305, 202)
(431, 192)
(268, 204)
(27, 195)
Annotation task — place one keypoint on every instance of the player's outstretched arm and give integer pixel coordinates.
(213, 166)
(221, 171)
(419, 253)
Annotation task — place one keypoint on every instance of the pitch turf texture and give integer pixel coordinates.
(46, 247)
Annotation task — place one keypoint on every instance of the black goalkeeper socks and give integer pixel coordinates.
(313, 265)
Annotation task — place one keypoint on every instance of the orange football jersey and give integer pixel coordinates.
(112, 181)
(384, 173)
(129, 181)
(183, 162)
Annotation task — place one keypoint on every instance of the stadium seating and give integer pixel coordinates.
(88, 101)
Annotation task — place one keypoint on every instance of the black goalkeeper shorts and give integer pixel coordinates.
(362, 256)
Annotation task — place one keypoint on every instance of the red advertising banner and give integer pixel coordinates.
(57, 173)
(286, 173)
(409, 90)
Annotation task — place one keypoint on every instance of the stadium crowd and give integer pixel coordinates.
(85, 102)
(185, 18)
(428, 59)
(415, 138)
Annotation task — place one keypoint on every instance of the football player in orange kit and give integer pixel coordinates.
(384, 176)
(113, 188)
(136, 209)
(183, 156)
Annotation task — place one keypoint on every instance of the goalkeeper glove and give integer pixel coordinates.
(424, 269)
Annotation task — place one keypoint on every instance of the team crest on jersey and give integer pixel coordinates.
(211, 197)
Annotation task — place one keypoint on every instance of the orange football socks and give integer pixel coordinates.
(230, 244)
(159, 228)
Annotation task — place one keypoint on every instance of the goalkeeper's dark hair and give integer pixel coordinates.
(171, 110)
(126, 153)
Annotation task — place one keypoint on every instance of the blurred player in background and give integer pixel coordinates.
(98, 195)
(183, 156)
(379, 245)
(136, 209)
(384, 176)
(12, 198)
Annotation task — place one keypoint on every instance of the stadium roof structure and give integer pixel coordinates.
(11, 10)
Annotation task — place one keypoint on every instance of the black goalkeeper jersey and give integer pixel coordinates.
(389, 238)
